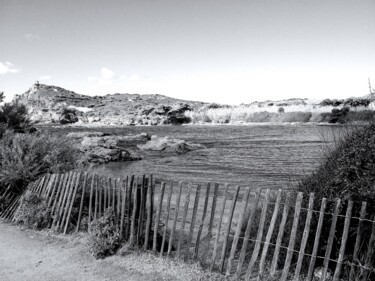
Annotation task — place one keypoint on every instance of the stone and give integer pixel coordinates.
(170, 145)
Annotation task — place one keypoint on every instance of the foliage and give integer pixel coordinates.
(33, 211)
(68, 115)
(25, 157)
(104, 235)
(356, 102)
(14, 116)
(338, 115)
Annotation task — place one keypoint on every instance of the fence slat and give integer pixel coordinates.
(214, 252)
(184, 215)
(245, 201)
(58, 193)
(166, 220)
(306, 232)
(292, 238)
(100, 203)
(195, 209)
(249, 225)
(71, 203)
(269, 234)
(202, 221)
(66, 202)
(123, 202)
(105, 190)
(256, 250)
(344, 239)
(156, 226)
(316, 240)
(82, 200)
(63, 202)
(129, 197)
(213, 208)
(370, 253)
(52, 189)
(96, 207)
(141, 210)
(358, 240)
(149, 212)
(119, 186)
(91, 196)
(330, 240)
(56, 207)
(177, 208)
(280, 237)
(134, 215)
(233, 206)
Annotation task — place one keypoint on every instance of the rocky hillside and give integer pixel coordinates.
(50, 104)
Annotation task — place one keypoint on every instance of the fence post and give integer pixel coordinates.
(149, 212)
(213, 208)
(128, 204)
(306, 232)
(344, 238)
(269, 233)
(330, 240)
(123, 202)
(247, 232)
(141, 210)
(195, 208)
(175, 218)
(158, 216)
(184, 215)
(166, 220)
(262, 222)
(358, 240)
(245, 201)
(91, 195)
(134, 215)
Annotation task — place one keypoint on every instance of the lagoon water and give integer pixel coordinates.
(267, 156)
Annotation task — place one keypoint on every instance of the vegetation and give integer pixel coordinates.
(104, 235)
(33, 211)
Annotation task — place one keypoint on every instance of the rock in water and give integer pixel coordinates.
(170, 145)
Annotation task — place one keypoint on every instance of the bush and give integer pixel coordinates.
(25, 157)
(33, 211)
(14, 116)
(104, 235)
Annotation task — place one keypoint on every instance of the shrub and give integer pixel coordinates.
(33, 211)
(25, 157)
(281, 110)
(104, 236)
(15, 116)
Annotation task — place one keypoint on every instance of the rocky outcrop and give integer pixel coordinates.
(170, 145)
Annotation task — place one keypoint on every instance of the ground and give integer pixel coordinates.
(41, 255)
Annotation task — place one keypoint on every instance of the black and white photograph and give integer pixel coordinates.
(176, 140)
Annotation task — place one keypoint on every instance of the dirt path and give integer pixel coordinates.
(33, 255)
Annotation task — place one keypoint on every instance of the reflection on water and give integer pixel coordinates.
(258, 156)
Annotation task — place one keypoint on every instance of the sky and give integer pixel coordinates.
(228, 51)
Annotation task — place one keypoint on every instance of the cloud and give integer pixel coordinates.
(107, 73)
(44, 77)
(32, 36)
(8, 67)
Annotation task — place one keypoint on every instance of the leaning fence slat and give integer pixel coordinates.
(51, 187)
(193, 218)
(184, 215)
(82, 200)
(156, 226)
(60, 209)
(64, 207)
(269, 234)
(226, 234)
(53, 190)
(249, 225)
(306, 232)
(149, 212)
(171, 237)
(344, 239)
(141, 210)
(358, 240)
(91, 196)
(330, 240)
(119, 188)
(370, 253)
(56, 207)
(96, 202)
(245, 201)
(166, 219)
(213, 208)
(279, 237)
(100, 203)
(202, 221)
(129, 197)
(58, 193)
(317, 239)
(72, 203)
(262, 222)
(292, 239)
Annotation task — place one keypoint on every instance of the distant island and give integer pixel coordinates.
(54, 105)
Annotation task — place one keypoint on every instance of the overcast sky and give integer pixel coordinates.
(211, 50)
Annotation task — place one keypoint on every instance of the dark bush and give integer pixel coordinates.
(355, 102)
(105, 237)
(338, 115)
(15, 116)
(33, 211)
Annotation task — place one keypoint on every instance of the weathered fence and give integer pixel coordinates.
(241, 232)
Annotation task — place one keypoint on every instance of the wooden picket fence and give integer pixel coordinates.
(246, 233)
